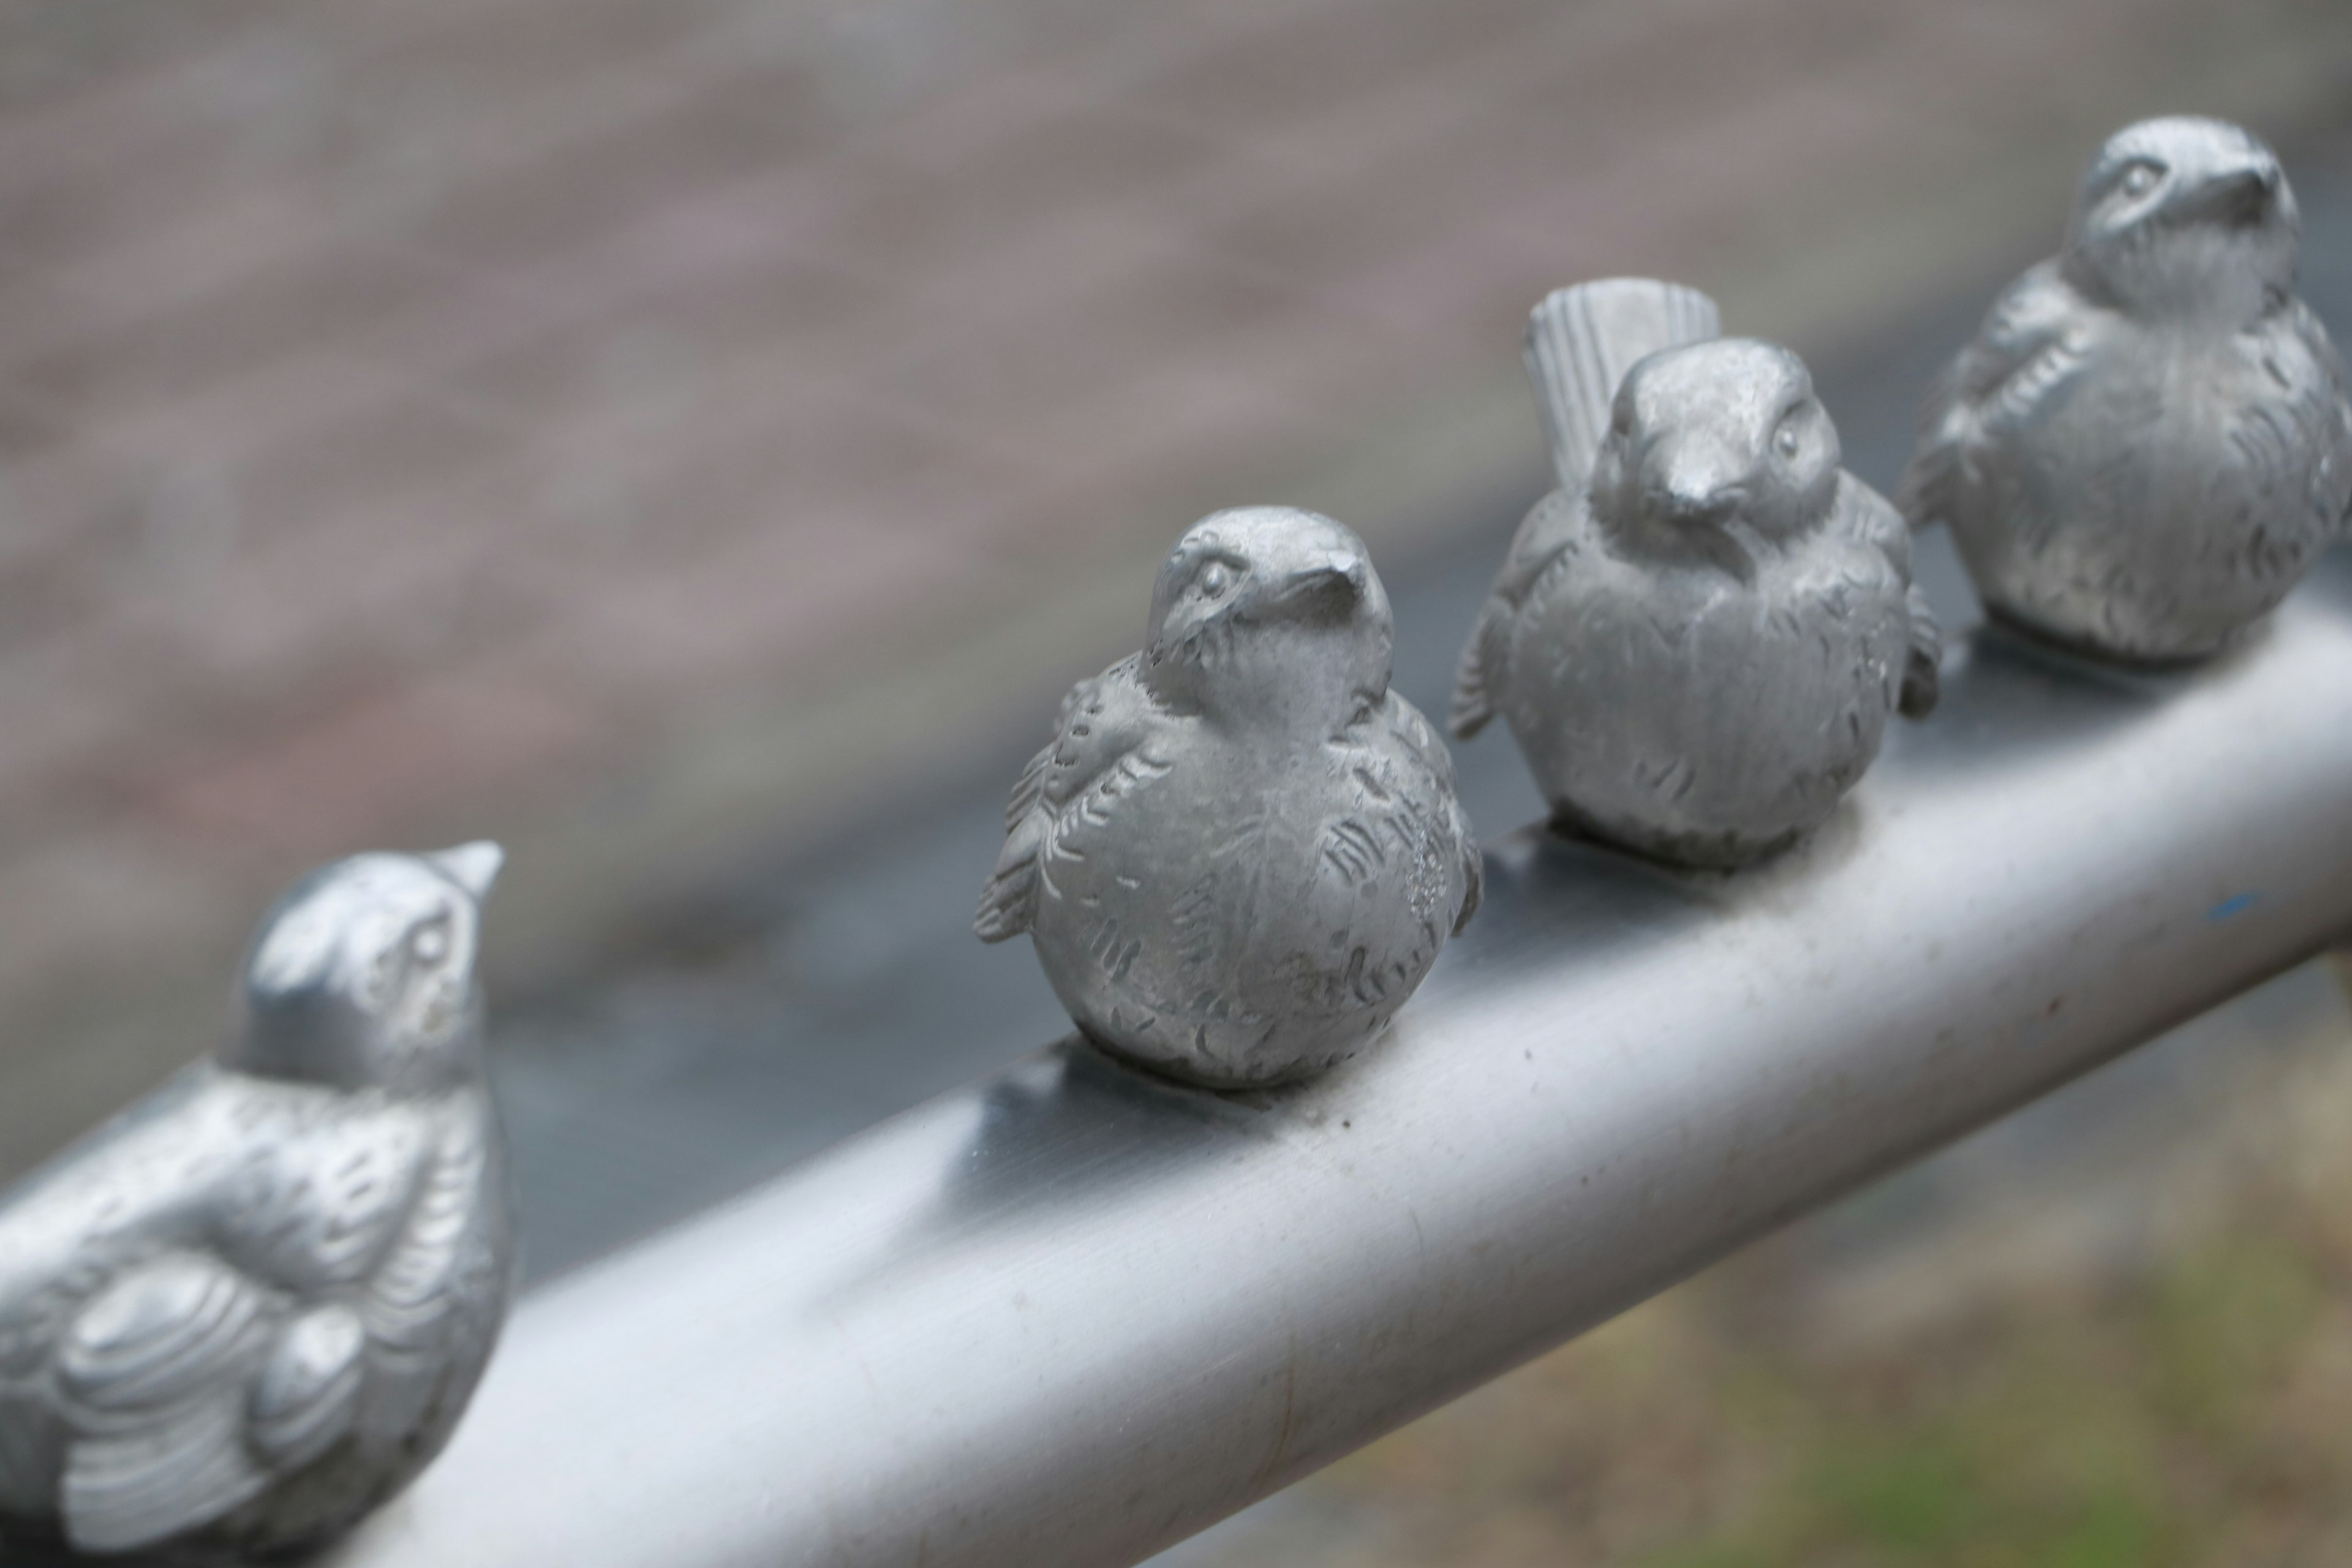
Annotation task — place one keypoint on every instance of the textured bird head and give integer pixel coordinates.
(363, 976)
(1270, 614)
(1713, 450)
(2184, 218)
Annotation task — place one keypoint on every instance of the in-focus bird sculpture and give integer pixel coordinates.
(2147, 442)
(1698, 637)
(1242, 851)
(253, 1307)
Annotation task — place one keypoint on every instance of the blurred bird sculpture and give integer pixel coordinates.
(2149, 441)
(1242, 851)
(1699, 637)
(253, 1307)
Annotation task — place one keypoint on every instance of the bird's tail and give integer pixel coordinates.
(1580, 342)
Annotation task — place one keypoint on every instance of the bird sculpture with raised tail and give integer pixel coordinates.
(254, 1305)
(1242, 851)
(1698, 637)
(2147, 441)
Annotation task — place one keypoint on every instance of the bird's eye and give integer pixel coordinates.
(429, 945)
(1785, 441)
(1214, 581)
(2139, 179)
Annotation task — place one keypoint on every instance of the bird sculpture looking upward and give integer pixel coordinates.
(254, 1305)
(2147, 441)
(1242, 851)
(1698, 637)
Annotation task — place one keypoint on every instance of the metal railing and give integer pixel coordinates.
(1070, 1314)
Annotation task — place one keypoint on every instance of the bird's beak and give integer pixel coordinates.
(1696, 504)
(2241, 194)
(1336, 583)
(1692, 481)
(473, 867)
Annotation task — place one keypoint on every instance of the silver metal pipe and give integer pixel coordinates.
(1071, 1314)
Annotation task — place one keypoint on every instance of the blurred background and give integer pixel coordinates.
(696, 441)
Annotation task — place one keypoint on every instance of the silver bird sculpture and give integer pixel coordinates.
(1698, 637)
(254, 1305)
(2147, 441)
(1242, 851)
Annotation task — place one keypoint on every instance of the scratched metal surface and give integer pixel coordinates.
(1068, 1314)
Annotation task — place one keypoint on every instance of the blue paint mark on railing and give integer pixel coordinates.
(2235, 906)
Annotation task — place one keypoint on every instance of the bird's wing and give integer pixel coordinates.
(438, 1300)
(1870, 517)
(2323, 415)
(1102, 736)
(1580, 342)
(152, 1380)
(1479, 671)
(1547, 532)
(441, 1245)
(63, 1232)
(1398, 833)
(1406, 723)
(1009, 900)
(191, 1380)
(307, 1392)
(2028, 345)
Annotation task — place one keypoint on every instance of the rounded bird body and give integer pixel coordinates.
(253, 1307)
(1698, 640)
(2149, 441)
(1243, 852)
(1703, 715)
